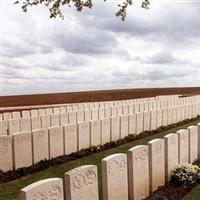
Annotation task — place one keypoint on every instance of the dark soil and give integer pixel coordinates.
(92, 96)
(170, 192)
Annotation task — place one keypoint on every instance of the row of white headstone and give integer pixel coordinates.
(33, 123)
(143, 104)
(56, 141)
(131, 176)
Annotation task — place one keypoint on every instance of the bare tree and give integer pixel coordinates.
(55, 6)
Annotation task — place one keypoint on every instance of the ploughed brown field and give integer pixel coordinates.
(91, 96)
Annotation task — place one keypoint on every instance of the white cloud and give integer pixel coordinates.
(95, 50)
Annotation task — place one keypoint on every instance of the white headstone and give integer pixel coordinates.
(40, 145)
(123, 126)
(6, 160)
(115, 178)
(115, 128)
(13, 126)
(48, 189)
(70, 138)
(83, 135)
(22, 149)
(138, 172)
(95, 131)
(25, 125)
(56, 147)
(105, 131)
(81, 183)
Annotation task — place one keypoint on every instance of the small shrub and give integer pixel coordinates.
(186, 174)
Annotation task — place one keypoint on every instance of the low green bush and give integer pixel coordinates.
(186, 174)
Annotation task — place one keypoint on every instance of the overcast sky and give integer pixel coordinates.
(95, 50)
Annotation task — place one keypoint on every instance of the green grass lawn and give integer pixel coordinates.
(11, 190)
(194, 194)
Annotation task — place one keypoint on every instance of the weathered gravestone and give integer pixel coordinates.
(139, 122)
(25, 124)
(70, 138)
(56, 147)
(156, 163)
(40, 145)
(193, 143)
(22, 149)
(48, 189)
(45, 121)
(183, 146)
(153, 120)
(105, 131)
(115, 128)
(35, 123)
(80, 116)
(171, 154)
(132, 123)
(34, 113)
(115, 178)
(72, 117)
(88, 115)
(64, 119)
(138, 172)
(81, 183)
(95, 114)
(41, 112)
(83, 135)
(6, 161)
(198, 126)
(55, 121)
(13, 126)
(3, 128)
(26, 113)
(95, 132)
(147, 121)
(16, 115)
(123, 126)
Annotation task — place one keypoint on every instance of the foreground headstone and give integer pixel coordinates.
(171, 154)
(156, 164)
(138, 172)
(105, 131)
(193, 143)
(115, 128)
(83, 135)
(40, 145)
(22, 150)
(115, 178)
(70, 138)
(183, 146)
(48, 189)
(13, 126)
(95, 132)
(81, 183)
(6, 161)
(56, 147)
